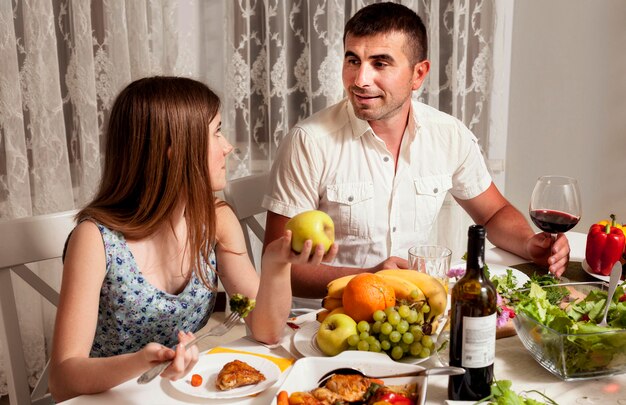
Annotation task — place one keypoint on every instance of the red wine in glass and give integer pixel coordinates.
(553, 221)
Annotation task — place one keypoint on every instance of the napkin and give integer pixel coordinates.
(281, 362)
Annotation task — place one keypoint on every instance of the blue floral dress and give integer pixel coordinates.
(132, 312)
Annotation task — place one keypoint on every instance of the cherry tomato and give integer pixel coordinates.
(622, 298)
(196, 380)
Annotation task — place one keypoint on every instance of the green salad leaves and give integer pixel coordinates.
(503, 394)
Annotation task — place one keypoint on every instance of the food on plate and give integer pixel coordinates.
(241, 304)
(396, 312)
(237, 374)
(333, 333)
(196, 380)
(366, 293)
(605, 246)
(355, 389)
(315, 225)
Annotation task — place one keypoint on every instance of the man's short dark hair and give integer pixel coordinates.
(383, 18)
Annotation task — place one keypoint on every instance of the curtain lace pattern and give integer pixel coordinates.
(274, 63)
(63, 63)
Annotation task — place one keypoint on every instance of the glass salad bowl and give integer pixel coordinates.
(568, 349)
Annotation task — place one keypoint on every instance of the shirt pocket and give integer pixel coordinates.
(430, 192)
(352, 203)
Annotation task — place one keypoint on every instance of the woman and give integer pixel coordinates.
(141, 267)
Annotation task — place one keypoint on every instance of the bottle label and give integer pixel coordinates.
(479, 341)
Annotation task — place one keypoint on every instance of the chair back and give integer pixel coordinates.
(245, 196)
(24, 241)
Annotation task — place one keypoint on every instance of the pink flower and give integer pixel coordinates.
(456, 272)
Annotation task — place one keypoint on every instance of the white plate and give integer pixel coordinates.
(306, 371)
(591, 273)
(209, 366)
(499, 270)
(305, 343)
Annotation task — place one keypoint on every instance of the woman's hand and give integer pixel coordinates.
(182, 359)
(279, 251)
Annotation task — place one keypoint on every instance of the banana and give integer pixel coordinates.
(433, 290)
(335, 288)
(331, 303)
(324, 313)
(402, 287)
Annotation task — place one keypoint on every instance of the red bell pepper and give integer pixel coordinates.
(393, 398)
(605, 244)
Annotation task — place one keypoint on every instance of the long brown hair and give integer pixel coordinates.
(157, 151)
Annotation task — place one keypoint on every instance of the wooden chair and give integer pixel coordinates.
(245, 196)
(24, 241)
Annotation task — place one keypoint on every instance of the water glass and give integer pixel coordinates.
(432, 260)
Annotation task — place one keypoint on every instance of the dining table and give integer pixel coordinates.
(513, 362)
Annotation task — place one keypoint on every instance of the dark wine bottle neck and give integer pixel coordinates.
(475, 255)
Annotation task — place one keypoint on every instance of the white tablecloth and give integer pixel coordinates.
(513, 362)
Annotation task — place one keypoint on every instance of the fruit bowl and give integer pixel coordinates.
(573, 356)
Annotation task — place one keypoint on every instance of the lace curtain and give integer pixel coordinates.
(63, 62)
(284, 63)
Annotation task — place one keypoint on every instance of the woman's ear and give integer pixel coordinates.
(169, 153)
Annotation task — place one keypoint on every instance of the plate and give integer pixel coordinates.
(305, 343)
(209, 366)
(306, 371)
(499, 270)
(587, 270)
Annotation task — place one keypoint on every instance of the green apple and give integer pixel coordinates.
(315, 225)
(332, 336)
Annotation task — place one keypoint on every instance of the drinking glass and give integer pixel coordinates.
(555, 204)
(432, 260)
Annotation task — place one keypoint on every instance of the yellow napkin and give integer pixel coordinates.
(282, 363)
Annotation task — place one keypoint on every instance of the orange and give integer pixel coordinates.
(365, 294)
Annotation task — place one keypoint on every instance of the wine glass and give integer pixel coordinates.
(555, 204)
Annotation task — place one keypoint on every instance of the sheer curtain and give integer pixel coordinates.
(284, 63)
(63, 62)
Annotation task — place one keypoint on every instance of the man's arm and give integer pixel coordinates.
(508, 229)
(309, 281)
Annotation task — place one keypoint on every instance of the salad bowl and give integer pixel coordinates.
(569, 343)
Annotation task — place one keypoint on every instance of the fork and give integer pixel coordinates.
(616, 272)
(217, 330)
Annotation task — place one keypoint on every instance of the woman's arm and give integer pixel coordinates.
(72, 372)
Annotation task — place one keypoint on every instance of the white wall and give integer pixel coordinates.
(568, 102)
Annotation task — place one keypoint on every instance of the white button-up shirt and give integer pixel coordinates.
(334, 162)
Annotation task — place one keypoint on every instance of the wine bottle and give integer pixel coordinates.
(473, 325)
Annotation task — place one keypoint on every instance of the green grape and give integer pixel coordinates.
(386, 345)
(416, 330)
(395, 336)
(424, 353)
(412, 318)
(389, 310)
(376, 326)
(415, 349)
(353, 340)
(427, 342)
(386, 328)
(363, 335)
(397, 353)
(404, 311)
(371, 340)
(393, 318)
(363, 346)
(408, 338)
(404, 346)
(379, 316)
(376, 346)
(415, 294)
(363, 326)
(403, 326)
(425, 308)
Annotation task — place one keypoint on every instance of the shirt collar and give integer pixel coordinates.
(360, 127)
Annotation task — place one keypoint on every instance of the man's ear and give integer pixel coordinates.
(420, 71)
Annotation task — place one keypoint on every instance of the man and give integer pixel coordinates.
(380, 164)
